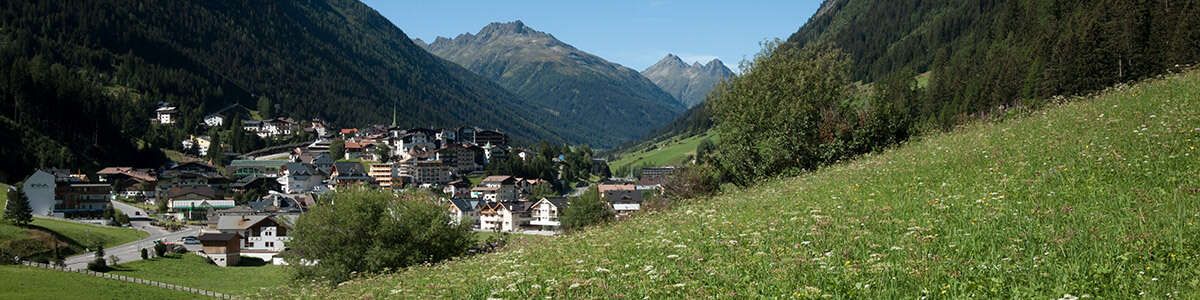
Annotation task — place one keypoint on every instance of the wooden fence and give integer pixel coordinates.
(130, 279)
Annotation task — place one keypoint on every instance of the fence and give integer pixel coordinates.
(130, 279)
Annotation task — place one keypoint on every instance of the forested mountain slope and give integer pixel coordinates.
(984, 56)
(607, 101)
(80, 79)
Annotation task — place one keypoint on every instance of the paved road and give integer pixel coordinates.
(132, 251)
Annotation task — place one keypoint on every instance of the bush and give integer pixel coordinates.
(159, 249)
(692, 182)
(373, 231)
(98, 265)
(586, 210)
(145, 254)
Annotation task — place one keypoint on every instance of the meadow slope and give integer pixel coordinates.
(1098, 197)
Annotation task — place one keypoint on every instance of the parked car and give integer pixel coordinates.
(191, 240)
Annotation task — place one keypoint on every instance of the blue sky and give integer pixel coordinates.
(634, 33)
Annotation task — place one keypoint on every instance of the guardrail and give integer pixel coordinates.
(130, 279)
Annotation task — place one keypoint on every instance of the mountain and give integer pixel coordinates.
(689, 84)
(81, 78)
(609, 102)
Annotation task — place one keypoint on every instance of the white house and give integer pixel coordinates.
(297, 178)
(262, 236)
(496, 189)
(39, 189)
(166, 115)
(545, 212)
(464, 210)
(214, 120)
(507, 217)
(201, 143)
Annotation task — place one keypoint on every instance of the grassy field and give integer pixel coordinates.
(192, 271)
(85, 234)
(1096, 198)
(668, 152)
(19, 282)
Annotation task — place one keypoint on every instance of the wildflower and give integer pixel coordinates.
(601, 270)
(573, 285)
(1068, 297)
(672, 256)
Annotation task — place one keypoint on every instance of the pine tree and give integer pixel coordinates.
(264, 107)
(18, 211)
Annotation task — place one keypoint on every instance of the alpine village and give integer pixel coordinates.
(314, 149)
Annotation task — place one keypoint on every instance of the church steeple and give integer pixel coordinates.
(393, 113)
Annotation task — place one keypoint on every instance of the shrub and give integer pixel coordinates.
(692, 182)
(145, 254)
(372, 231)
(159, 249)
(98, 265)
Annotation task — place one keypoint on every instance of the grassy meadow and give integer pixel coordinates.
(193, 271)
(20, 282)
(87, 234)
(1099, 197)
(670, 152)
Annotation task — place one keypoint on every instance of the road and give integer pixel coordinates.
(133, 251)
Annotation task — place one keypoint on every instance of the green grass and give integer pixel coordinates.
(670, 152)
(1099, 197)
(193, 271)
(19, 282)
(86, 234)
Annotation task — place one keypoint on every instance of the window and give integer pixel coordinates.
(270, 244)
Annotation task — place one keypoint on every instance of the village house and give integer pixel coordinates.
(429, 172)
(348, 174)
(465, 210)
(219, 117)
(261, 236)
(130, 183)
(319, 160)
(496, 189)
(185, 202)
(56, 192)
(492, 137)
(462, 159)
(198, 143)
(653, 178)
(457, 188)
(545, 213)
(623, 202)
(493, 153)
(300, 178)
(503, 216)
(191, 175)
(166, 115)
(360, 150)
(224, 249)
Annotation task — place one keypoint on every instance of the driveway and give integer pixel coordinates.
(132, 251)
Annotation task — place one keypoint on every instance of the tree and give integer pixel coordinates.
(586, 210)
(383, 152)
(98, 264)
(704, 151)
(544, 190)
(18, 210)
(265, 107)
(337, 149)
(389, 232)
(216, 152)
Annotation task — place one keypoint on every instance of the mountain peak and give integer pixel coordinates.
(506, 28)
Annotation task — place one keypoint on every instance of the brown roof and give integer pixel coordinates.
(218, 237)
(497, 178)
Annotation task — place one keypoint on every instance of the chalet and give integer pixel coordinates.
(545, 212)
(131, 183)
(496, 189)
(191, 175)
(606, 188)
(199, 144)
(457, 188)
(349, 173)
(56, 192)
(299, 178)
(360, 150)
(465, 210)
(256, 182)
(624, 202)
(319, 160)
(224, 249)
(503, 216)
(277, 127)
(348, 133)
(166, 115)
(261, 236)
(653, 178)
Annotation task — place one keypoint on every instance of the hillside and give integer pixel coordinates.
(83, 77)
(670, 152)
(1095, 197)
(689, 84)
(609, 102)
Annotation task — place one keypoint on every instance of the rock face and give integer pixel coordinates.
(689, 84)
(607, 101)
